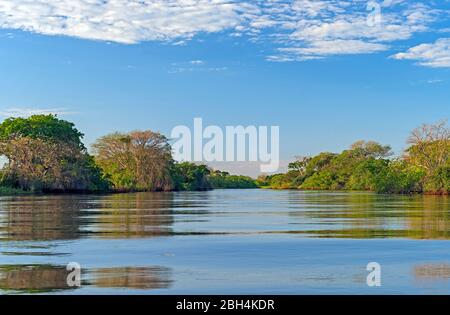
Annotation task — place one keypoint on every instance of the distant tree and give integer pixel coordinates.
(353, 169)
(319, 162)
(223, 180)
(190, 176)
(372, 149)
(300, 164)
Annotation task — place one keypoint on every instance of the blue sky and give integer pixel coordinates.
(318, 69)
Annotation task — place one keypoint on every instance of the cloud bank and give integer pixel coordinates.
(122, 21)
(298, 29)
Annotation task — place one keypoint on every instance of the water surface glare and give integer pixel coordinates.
(225, 242)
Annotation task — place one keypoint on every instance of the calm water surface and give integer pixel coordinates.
(225, 242)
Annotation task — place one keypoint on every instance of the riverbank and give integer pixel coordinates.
(442, 193)
(8, 191)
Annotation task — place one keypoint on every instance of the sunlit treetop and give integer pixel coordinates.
(43, 127)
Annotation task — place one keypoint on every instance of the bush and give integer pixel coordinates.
(190, 176)
(439, 181)
(223, 180)
(399, 177)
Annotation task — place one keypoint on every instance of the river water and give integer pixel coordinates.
(225, 242)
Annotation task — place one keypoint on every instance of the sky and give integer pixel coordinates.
(327, 72)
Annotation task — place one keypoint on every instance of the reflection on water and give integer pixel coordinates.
(331, 215)
(71, 217)
(432, 272)
(132, 216)
(50, 278)
(39, 235)
(33, 278)
(141, 278)
(39, 218)
(362, 215)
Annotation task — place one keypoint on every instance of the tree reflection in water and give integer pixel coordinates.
(50, 278)
(40, 218)
(366, 215)
(69, 217)
(141, 278)
(33, 278)
(432, 272)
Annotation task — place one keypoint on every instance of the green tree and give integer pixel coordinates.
(190, 176)
(223, 180)
(45, 153)
(139, 160)
(47, 128)
(430, 151)
(400, 177)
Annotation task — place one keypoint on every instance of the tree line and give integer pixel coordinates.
(46, 154)
(424, 167)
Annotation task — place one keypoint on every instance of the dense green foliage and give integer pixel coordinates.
(223, 180)
(45, 153)
(9, 191)
(190, 176)
(142, 161)
(43, 127)
(425, 167)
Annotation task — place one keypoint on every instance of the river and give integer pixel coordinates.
(225, 242)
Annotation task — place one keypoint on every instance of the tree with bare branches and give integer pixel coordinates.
(139, 160)
(430, 146)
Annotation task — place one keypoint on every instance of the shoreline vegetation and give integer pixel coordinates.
(424, 167)
(45, 154)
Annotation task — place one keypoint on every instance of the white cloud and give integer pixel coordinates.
(434, 81)
(196, 69)
(327, 27)
(123, 21)
(302, 29)
(197, 62)
(435, 55)
(27, 112)
(319, 49)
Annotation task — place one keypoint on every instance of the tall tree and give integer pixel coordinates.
(430, 150)
(46, 153)
(430, 146)
(139, 160)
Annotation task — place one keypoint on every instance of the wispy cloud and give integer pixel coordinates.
(321, 28)
(197, 69)
(434, 81)
(27, 112)
(298, 29)
(122, 21)
(320, 49)
(195, 66)
(435, 55)
(197, 62)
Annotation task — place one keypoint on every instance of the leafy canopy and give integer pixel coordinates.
(43, 127)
